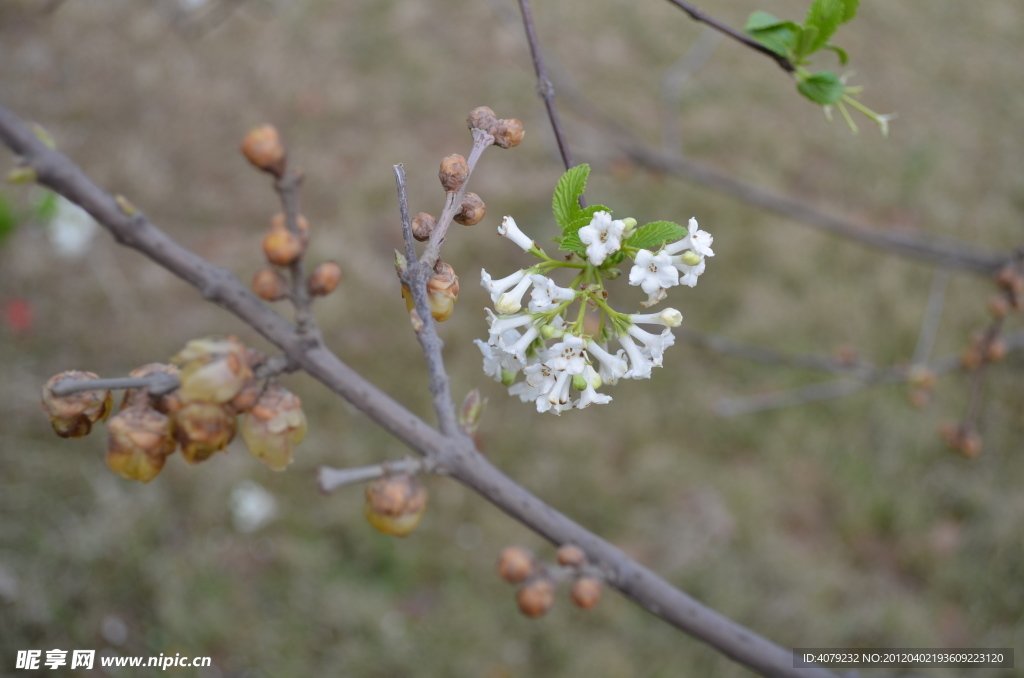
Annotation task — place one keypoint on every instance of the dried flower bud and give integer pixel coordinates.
(140, 441)
(395, 504)
(442, 291)
(508, 133)
(263, 148)
(970, 358)
(453, 173)
(998, 306)
(995, 351)
(969, 444)
(268, 284)
(72, 416)
(324, 279)
(213, 369)
(571, 555)
(586, 592)
(273, 426)
(536, 596)
(164, 403)
(1008, 278)
(247, 397)
(203, 429)
(471, 211)
(515, 564)
(422, 226)
(278, 222)
(282, 247)
(482, 118)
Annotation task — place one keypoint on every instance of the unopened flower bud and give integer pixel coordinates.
(586, 592)
(282, 247)
(395, 504)
(969, 444)
(470, 411)
(140, 441)
(72, 416)
(279, 222)
(203, 429)
(263, 148)
(579, 382)
(274, 426)
(482, 118)
(442, 291)
(571, 555)
(536, 596)
(269, 285)
(213, 369)
(453, 173)
(422, 226)
(508, 133)
(970, 358)
(690, 258)
(472, 210)
(324, 279)
(995, 351)
(515, 564)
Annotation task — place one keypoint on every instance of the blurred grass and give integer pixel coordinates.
(839, 523)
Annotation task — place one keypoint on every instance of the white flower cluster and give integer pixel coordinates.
(518, 339)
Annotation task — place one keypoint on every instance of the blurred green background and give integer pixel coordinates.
(844, 523)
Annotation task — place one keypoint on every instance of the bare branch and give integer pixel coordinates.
(330, 479)
(157, 384)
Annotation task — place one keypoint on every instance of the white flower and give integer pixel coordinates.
(640, 364)
(613, 367)
(689, 273)
(496, 287)
(547, 295)
(499, 326)
(669, 317)
(525, 392)
(653, 273)
(654, 344)
(696, 240)
(509, 230)
(518, 349)
(497, 361)
(567, 355)
(511, 302)
(603, 236)
(590, 396)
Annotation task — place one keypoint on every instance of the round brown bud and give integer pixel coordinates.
(950, 433)
(269, 285)
(1008, 277)
(72, 416)
(998, 306)
(536, 596)
(969, 444)
(571, 556)
(324, 279)
(203, 429)
(395, 504)
(263, 148)
(970, 358)
(278, 222)
(508, 133)
(515, 564)
(482, 118)
(140, 441)
(471, 211)
(586, 592)
(422, 226)
(995, 351)
(282, 247)
(453, 173)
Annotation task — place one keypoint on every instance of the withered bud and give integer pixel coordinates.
(324, 279)
(140, 441)
(269, 285)
(72, 416)
(471, 211)
(395, 504)
(571, 555)
(508, 133)
(203, 429)
(995, 351)
(273, 426)
(515, 564)
(282, 247)
(213, 369)
(586, 592)
(453, 173)
(998, 306)
(422, 226)
(247, 397)
(970, 358)
(482, 118)
(278, 222)
(536, 596)
(165, 403)
(263, 148)
(442, 291)
(1008, 278)
(969, 444)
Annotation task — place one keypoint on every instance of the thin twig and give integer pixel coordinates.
(157, 384)
(456, 454)
(732, 407)
(403, 206)
(330, 479)
(287, 187)
(697, 15)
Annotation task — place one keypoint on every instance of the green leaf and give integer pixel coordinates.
(805, 43)
(591, 210)
(823, 87)
(8, 218)
(843, 56)
(565, 201)
(655, 233)
(824, 16)
(851, 10)
(777, 35)
(572, 243)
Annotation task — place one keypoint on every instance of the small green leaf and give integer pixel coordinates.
(840, 52)
(805, 43)
(851, 10)
(823, 87)
(591, 210)
(655, 233)
(571, 243)
(775, 34)
(565, 201)
(824, 16)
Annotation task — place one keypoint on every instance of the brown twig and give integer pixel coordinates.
(456, 454)
(287, 187)
(742, 38)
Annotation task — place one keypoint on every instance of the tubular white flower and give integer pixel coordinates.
(499, 326)
(546, 295)
(602, 236)
(525, 392)
(669, 317)
(613, 367)
(509, 230)
(496, 287)
(689, 273)
(696, 240)
(512, 302)
(654, 344)
(567, 355)
(590, 396)
(653, 272)
(559, 393)
(498, 361)
(518, 349)
(640, 364)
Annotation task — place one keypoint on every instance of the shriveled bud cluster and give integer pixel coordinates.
(422, 226)
(72, 416)
(395, 504)
(273, 426)
(507, 133)
(213, 369)
(965, 441)
(203, 428)
(453, 173)
(263, 148)
(324, 279)
(140, 441)
(472, 210)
